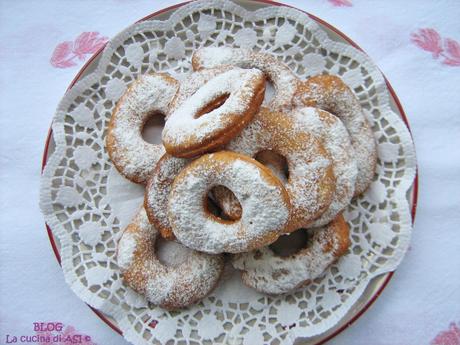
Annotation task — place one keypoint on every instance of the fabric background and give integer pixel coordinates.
(415, 43)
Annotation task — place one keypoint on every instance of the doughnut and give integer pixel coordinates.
(284, 81)
(263, 198)
(311, 181)
(171, 286)
(334, 136)
(332, 94)
(215, 113)
(157, 192)
(226, 200)
(148, 96)
(270, 273)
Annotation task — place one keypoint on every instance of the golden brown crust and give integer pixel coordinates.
(337, 234)
(330, 93)
(276, 131)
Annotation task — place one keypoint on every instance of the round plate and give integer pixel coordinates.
(376, 285)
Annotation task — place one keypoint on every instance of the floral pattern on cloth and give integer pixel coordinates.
(65, 53)
(341, 3)
(449, 337)
(431, 41)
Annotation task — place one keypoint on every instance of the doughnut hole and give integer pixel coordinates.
(171, 253)
(151, 131)
(213, 105)
(291, 244)
(269, 92)
(275, 162)
(213, 208)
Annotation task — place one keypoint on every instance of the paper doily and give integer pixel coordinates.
(87, 203)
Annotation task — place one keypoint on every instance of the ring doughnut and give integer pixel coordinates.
(332, 94)
(334, 136)
(263, 198)
(215, 113)
(158, 189)
(311, 181)
(227, 201)
(169, 286)
(157, 192)
(133, 157)
(267, 272)
(284, 81)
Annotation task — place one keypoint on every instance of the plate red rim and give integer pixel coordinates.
(346, 38)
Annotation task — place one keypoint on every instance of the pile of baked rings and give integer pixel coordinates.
(237, 170)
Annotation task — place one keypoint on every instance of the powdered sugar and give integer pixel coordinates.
(284, 81)
(193, 81)
(334, 136)
(191, 277)
(171, 253)
(331, 94)
(183, 125)
(134, 157)
(158, 189)
(258, 226)
(267, 272)
(311, 182)
(276, 163)
(125, 252)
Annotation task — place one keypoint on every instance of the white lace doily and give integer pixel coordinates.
(87, 203)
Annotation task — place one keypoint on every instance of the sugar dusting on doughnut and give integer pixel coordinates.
(311, 181)
(133, 157)
(284, 81)
(275, 162)
(252, 183)
(334, 136)
(169, 286)
(267, 272)
(332, 94)
(226, 200)
(157, 192)
(126, 248)
(172, 253)
(188, 132)
(193, 82)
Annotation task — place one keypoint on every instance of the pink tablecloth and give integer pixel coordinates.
(415, 43)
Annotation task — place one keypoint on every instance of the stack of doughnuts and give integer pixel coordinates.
(238, 176)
